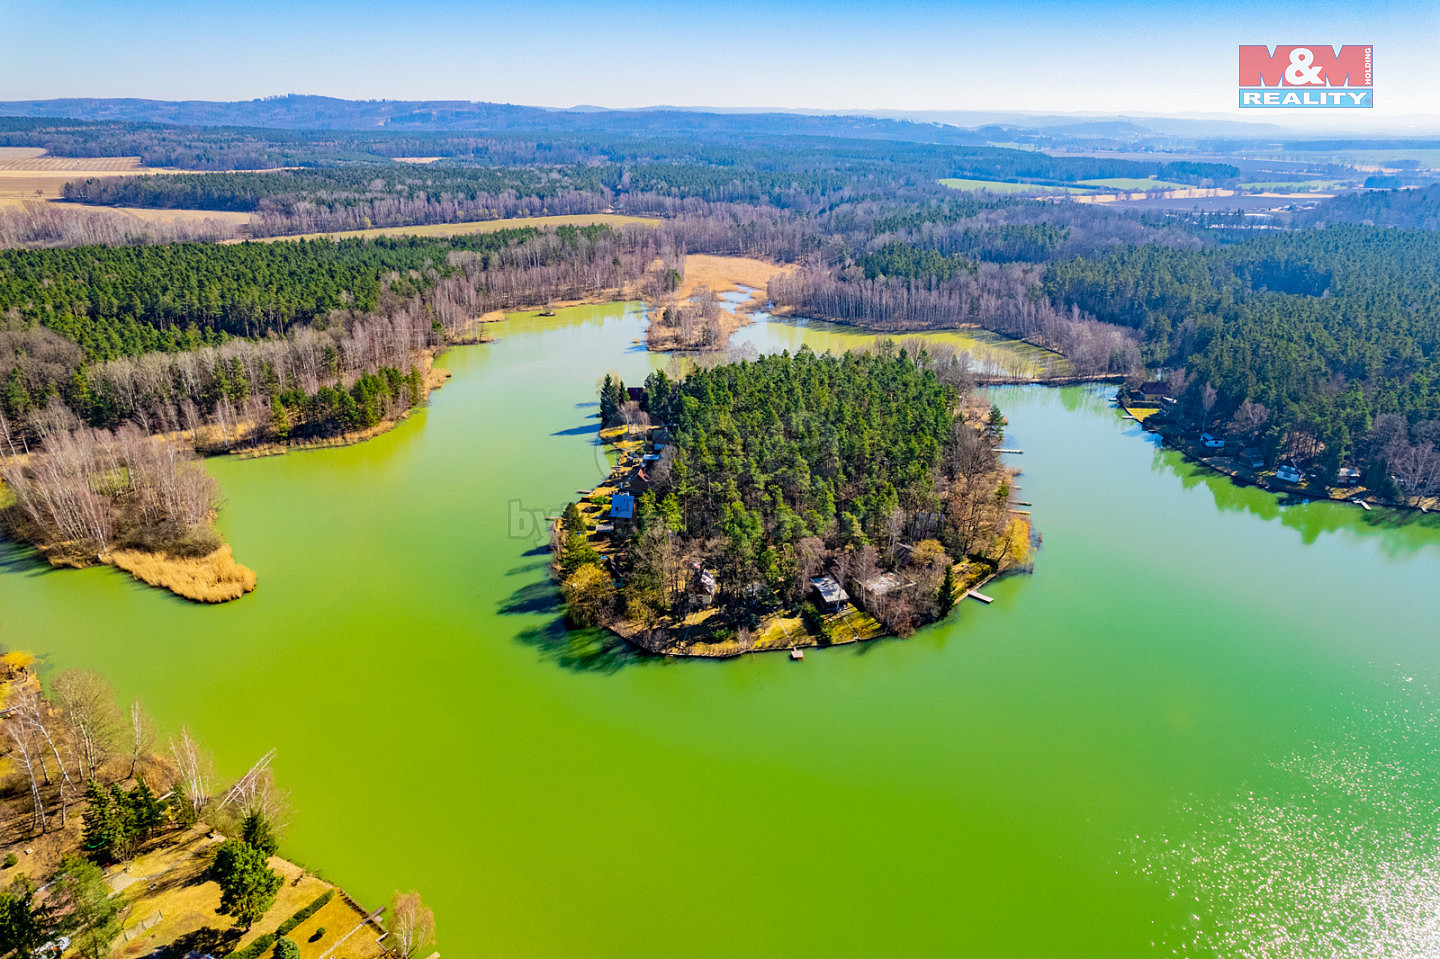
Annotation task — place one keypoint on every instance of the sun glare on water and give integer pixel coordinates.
(1336, 855)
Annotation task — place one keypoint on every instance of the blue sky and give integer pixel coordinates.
(1107, 57)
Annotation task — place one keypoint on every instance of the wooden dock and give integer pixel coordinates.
(1361, 503)
(1009, 451)
(797, 653)
(976, 594)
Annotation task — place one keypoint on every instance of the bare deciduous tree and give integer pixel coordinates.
(142, 736)
(86, 703)
(19, 739)
(411, 926)
(194, 770)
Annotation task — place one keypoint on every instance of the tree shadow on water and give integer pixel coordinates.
(538, 596)
(23, 559)
(581, 650)
(579, 430)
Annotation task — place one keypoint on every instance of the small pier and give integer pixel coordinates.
(976, 594)
(998, 450)
(1361, 503)
(796, 653)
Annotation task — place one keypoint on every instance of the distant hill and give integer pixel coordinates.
(421, 116)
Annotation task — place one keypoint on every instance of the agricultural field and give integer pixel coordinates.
(1135, 183)
(1001, 186)
(28, 173)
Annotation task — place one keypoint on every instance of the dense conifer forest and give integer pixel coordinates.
(801, 465)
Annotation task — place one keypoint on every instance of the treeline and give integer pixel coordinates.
(51, 224)
(1001, 298)
(338, 347)
(860, 148)
(281, 190)
(1034, 165)
(1410, 209)
(117, 301)
(85, 492)
(359, 197)
(1328, 330)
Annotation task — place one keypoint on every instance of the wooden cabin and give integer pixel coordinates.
(832, 596)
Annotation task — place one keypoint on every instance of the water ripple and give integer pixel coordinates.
(1337, 855)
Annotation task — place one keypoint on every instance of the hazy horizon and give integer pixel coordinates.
(1103, 57)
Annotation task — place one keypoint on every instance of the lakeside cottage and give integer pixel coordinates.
(877, 588)
(1348, 476)
(1154, 390)
(1252, 458)
(832, 595)
(1289, 474)
(622, 510)
(700, 591)
(1212, 442)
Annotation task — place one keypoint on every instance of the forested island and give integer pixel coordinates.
(754, 500)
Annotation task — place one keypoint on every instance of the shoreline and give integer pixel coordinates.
(779, 630)
(792, 313)
(859, 632)
(1264, 479)
(213, 578)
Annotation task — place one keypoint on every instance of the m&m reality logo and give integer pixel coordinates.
(1312, 75)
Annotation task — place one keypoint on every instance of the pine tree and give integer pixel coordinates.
(947, 591)
(247, 883)
(179, 807)
(996, 425)
(146, 811)
(256, 830)
(24, 923)
(82, 895)
(104, 823)
(608, 405)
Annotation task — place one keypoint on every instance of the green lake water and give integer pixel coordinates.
(1204, 726)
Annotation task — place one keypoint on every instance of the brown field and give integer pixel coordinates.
(39, 163)
(27, 173)
(233, 218)
(20, 153)
(480, 226)
(725, 273)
